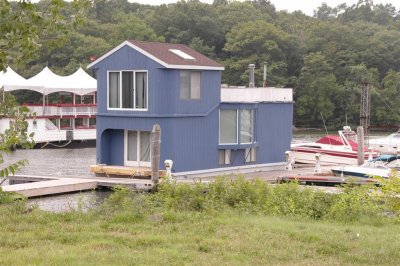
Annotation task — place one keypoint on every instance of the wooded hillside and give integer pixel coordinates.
(324, 58)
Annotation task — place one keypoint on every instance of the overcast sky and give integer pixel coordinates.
(307, 6)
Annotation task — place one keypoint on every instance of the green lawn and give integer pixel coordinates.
(191, 238)
(170, 228)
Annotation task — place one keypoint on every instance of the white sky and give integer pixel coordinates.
(307, 6)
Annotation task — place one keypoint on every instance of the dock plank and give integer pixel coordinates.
(43, 188)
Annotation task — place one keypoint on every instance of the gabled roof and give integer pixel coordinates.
(169, 55)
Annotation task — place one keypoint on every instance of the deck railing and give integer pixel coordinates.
(60, 110)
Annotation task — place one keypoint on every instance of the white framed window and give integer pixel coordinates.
(128, 90)
(189, 85)
(228, 124)
(137, 148)
(246, 126)
(224, 156)
(250, 155)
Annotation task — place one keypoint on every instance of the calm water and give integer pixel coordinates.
(60, 162)
(76, 162)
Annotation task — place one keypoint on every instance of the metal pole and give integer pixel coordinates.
(360, 141)
(265, 75)
(155, 153)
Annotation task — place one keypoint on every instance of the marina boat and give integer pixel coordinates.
(73, 118)
(333, 150)
(381, 166)
(387, 145)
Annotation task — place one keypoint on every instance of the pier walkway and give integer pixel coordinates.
(35, 186)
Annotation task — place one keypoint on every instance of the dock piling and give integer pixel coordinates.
(155, 153)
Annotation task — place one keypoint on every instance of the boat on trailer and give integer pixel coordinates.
(333, 149)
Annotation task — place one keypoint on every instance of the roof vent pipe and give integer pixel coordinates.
(251, 78)
(265, 75)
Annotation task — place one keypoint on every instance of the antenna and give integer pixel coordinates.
(326, 130)
(265, 75)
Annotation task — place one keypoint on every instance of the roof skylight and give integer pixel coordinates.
(182, 54)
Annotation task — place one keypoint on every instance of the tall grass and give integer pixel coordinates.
(226, 222)
(289, 199)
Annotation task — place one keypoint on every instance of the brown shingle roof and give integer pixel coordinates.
(162, 52)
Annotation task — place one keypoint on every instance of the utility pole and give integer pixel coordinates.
(365, 107)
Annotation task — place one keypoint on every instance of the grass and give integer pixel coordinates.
(226, 223)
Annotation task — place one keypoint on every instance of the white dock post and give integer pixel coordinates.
(370, 150)
(155, 153)
(360, 141)
(168, 166)
(289, 160)
(317, 168)
(398, 154)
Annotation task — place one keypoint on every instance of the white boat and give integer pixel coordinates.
(381, 167)
(334, 150)
(387, 145)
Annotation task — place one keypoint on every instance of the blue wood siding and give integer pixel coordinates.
(192, 142)
(163, 86)
(189, 128)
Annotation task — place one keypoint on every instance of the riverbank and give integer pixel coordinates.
(227, 222)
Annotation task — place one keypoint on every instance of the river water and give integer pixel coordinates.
(76, 162)
(60, 162)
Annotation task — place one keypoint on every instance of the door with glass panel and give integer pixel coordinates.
(137, 148)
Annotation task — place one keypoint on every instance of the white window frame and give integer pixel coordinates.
(137, 163)
(237, 126)
(134, 94)
(190, 84)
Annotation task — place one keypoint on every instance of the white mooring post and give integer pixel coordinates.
(289, 161)
(317, 168)
(155, 153)
(360, 141)
(398, 154)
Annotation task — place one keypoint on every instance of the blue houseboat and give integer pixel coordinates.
(205, 128)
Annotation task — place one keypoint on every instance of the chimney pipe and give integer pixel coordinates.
(251, 78)
(265, 75)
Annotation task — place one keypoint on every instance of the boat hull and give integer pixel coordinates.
(326, 158)
(358, 171)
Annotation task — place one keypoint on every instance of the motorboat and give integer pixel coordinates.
(386, 145)
(332, 149)
(381, 166)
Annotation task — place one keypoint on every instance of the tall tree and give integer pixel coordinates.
(317, 91)
(23, 26)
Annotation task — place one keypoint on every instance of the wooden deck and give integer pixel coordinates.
(34, 186)
(123, 171)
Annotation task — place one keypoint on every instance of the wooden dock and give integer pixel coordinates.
(35, 186)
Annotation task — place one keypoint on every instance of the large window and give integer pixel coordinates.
(246, 126)
(127, 90)
(228, 127)
(189, 85)
(229, 122)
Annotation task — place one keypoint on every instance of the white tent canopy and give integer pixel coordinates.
(10, 81)
(47, 82)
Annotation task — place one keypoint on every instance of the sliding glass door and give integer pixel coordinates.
(137, 148)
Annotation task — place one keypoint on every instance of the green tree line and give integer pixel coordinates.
(324, 57)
